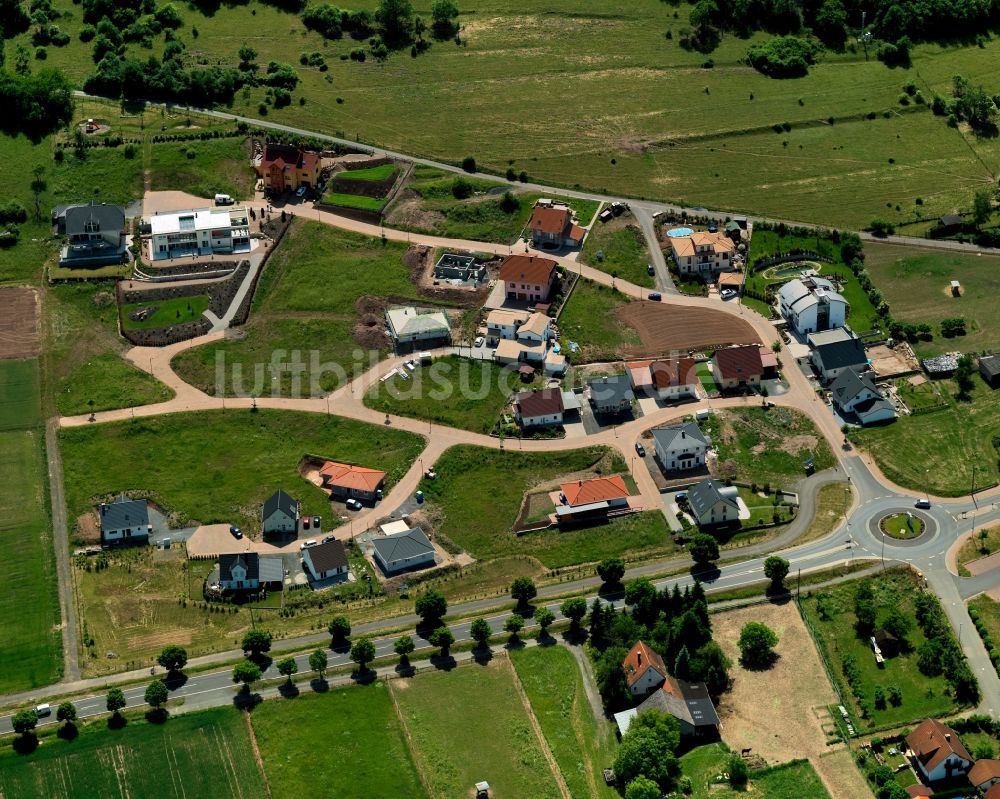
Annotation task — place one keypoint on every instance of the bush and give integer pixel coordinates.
(461, 189)
(469, 164)
(783, 57)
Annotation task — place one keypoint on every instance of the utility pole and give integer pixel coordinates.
(972, 490)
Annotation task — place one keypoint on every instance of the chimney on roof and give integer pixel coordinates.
(947, 736)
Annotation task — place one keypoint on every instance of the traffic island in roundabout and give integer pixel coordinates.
(903, 526)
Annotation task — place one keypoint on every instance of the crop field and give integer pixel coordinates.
(19, 334)
(623, 249)
(218, 466)
(168, 312)
(19, 394)
(916, 283)
(204, 754)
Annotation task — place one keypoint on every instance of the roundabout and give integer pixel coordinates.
(903, 526)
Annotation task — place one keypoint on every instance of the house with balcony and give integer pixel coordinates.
(811, 304)
(680, 447)
(286, 168)
(199, 232)
(704, 255)
(528, 278)
(95, 234)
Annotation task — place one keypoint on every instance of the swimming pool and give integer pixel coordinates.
(679, 231)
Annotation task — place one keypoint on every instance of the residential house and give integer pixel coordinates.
(919, 791)
(594, 499)
(326, 560)
(669, 379)
(713, 503)
(461, 268)
(410, 326)
(835, 351)
(403, 551)
(124, 519)
(992, 793)
(552, 226)
(985, 774)
(812, 303)
(521, 337)
(528, 278)
(611, 395)
(680, 447)
(644, 670)
(989, 369)
(689, 703)
(539, 408)
(703, 254)
(286, 168)
(502, 324)
(937, 752)
(738, 367)
(280, 514)
(345, 481)
(95, 234)
(202, 231)
(249, 571)
(855, 394)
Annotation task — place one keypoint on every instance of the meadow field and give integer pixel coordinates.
(20, 405)
(704, 765)
(622, 248)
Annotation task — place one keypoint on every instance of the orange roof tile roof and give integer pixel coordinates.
(576, 233)
(673, 372)
(640, 658)
(739, 363)
(550, 220)
(357, 477)
(599, 489)
(920, 791)
(685, 245)
(993, 793)
(526, 269)
(984, 770)
(932, 742)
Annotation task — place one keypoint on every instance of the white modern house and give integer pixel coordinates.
(409, 325)
(124, 519)
(199, 232)
(680, 447)
(812, 303)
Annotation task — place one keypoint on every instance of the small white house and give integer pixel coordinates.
(239, 572)
(644, 670)
(937, 752)
(713, 503)
(327, 560)
(855, 394)
(680, 447)
(124, 519)
(409, 325)
(280, 514)
(539, 408)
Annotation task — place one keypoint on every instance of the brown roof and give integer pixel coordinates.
(731, 279)
(673, 372)
(739, 363)
(640, 658)
(357, 477)
(993, 793)
(526, 269)
(550, 220)
(932, 742)
(540, 403)
(984, 770)
(920, 791)
(328, 555)
(599, 489)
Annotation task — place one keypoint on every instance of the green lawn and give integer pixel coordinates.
(478, 493)
(704, 765)
(768, 446)
(355, 743)
(623, 248)
(453, 391)
(375, 174)
(240, 458)
(19, 394)
(202, 168)
(916, 284)
(831, 614)
(29, 606)
(307, 302)
(939, 451)
(354, 201)
(168, 312)
(589, 320)
(900, 526)
(111, 382)
(468, 725)
(581, 744)
(705, 377)
(203, 754)
(989, 613)
(981, 545)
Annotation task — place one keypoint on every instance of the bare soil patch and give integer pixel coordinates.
(87, 529)
(795, 444)
(663, 328)
(19, 331)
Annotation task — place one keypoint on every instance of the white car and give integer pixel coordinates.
(353, 504)
(300, 191)
(411, 365)
(479, 341)
(728, 294)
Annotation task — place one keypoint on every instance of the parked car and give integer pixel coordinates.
(640, 449)
(419, 496)
(479, 341)
(316, 521)
(681, 495)
(353, 504)
(430, 474)
(300, 191)
(236, 532)
(922, 503)
(305, 522)
(310, 543)
(728, 294)
(713, 228)
(655, 296)
(650, 270)
(411, 365)
(403, 374)
(223, 199)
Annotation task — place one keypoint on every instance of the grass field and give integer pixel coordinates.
(307, 301)
(981, 545)
(354, 201)
(916, 284)
(356, 745)
(704, 765)
(111, 382)
(241, 459)
(202, 168)
(375, 174)
(939, 451)
(491, 740)
(922, 696)
(589, 320)
(20, 407)
(989, 613)
(581, 744)
(203, 754)
(168, 312)
(624, 251)
(832, 503)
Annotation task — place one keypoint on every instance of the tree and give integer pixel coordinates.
(431, 608)
(287, 667)
(574, 610)
(444, 13)
(711, 666)
(830, 26)
(514, 624)
(318, 662)
(38, 185)
(480, 632)
(703, 549)
(363, 652)
(246, 672)
(544, 617)
(173, 658)
(648, 749)
(963, 377)
(461, 189)
(757, 642)
(115, 700)
(881, 228)
(510, 202)
(982, 207)
(24, 721)
(66, 712)
(776, 570)
(403, 647)
(469, 164)
(642, 788)
(442, 638)
(864, 610)
(739, 773)
(611, 680)
(395, 18)
(256, 642)
(247, 56)
(898, 624)
(156, 694)
(339, 629)
(523, 590)
(611, 571)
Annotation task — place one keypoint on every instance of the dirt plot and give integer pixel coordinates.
(782, 713)
(19, 333)
(665, 328)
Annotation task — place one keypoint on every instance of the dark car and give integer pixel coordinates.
(236, 531)
(655, 296)
(316, 521)
(640, 449)
(922, 503)
(650, 270)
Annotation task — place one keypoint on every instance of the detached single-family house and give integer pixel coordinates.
(503, 324)
(703, 254)
(854, 393)
(403, 551)
(528, 278)
(280, 514)
(539, 408)
(689, 703)
(669, 379)
(985, 774)
(345, 481)
(409, 325)
(552, 226)
(201, 231)
(95, 234)
(239, 572)
(738, 367)
(989, 369)
(611, 395)
(644, 670)
(586, 500)
(812, 303)
(714, 503)
(680, 447)
(536, 329)
(124, 519)
(992, 793)
(835, 351)
(286, 168)
(326, 560)
(937, 752)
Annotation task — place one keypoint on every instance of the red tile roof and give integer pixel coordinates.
(546, 402)
(984, 770)
(577, 233)
(553, 221)
(599, 489)
(356, 477)
(932, 742)
(527, 269)
(284, 156)
(920, 791)
(638, 660)
(993, 793)
(673, 372)
(739, 363)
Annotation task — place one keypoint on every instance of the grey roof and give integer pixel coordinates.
(279, 500)
(989, 365)
(686, 701)
(124, 513)
(612, 390)
(107, 217)
(248, 560)
(849, 384)
(802, 293)
(702, 496)
(873, 407)
(403, 546)
(834, 334)
(665, 436)
(272, 569)
(941, 364)
(328, 555)
(838, 354)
